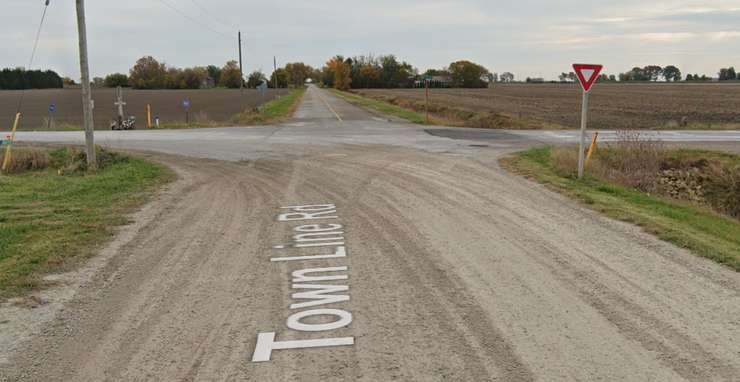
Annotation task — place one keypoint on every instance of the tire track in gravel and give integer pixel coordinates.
(671, 349)
(458, 272)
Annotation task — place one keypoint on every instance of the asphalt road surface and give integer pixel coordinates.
(342, 247)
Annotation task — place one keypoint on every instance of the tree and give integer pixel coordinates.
(66, 81)
(231, 75)
(172, 78)
(727, 74)
(97, 82)
(298, 73)
(255, 79)
(689, 77)
(369, 75)
(341, 71)
(281, 77)
(671, 73)
(148, 73)
(115, 80)
(636, 74)
(20, 78)
(193, 78)
(466, 74)
(507, 77)
(653, 72)
(215, 73)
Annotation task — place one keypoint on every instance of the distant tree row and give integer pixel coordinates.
(388, 72)
(148, 73)
(655, 73)
(728, 74)
(20, 78)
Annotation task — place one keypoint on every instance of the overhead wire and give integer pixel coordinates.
(33, 51)
(193, 19)
(213, 17)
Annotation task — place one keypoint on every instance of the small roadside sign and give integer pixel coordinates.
(587, 74)
(262, 87)
(52, 108)
(186, 104)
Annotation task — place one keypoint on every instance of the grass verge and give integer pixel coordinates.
(383, 107)
(49, 222)
(697, 228)
(273, 111)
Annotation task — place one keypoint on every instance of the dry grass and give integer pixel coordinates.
(699, 177)
(26, 159)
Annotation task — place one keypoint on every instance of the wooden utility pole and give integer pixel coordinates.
(241, 70)
(274, 63)
(87, 105)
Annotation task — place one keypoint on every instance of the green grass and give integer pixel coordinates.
(273, 111)
(381, 106)
(50, 221)
(693, 227)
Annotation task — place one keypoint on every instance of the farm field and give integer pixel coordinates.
(612, 106)
(207, 106)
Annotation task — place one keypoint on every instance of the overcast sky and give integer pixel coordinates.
(537, 38)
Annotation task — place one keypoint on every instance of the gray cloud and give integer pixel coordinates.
(527, 37)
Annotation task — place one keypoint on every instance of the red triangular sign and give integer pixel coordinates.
(587, 74)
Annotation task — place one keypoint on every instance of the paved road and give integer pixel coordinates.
(366, 250)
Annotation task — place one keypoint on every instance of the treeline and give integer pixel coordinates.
(654, 73)
(20, 78)
(148, 73)
(388, 72)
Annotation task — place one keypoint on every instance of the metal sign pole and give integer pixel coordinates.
(426, 107)
(584, 122)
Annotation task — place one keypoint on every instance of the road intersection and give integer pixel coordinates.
(452, 269)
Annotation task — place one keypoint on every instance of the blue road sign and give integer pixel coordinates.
(186, 104)
(52, 108)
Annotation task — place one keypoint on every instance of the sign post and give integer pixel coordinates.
(427, 81)
(50, 121)
(186, 106)
(587, 75)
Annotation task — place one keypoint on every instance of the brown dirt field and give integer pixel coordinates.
(216, 105)
(613, 106)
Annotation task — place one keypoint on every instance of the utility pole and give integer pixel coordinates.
(275, 81)
(87, 106)
(241, 70)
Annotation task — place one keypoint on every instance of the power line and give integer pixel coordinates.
(33, 51)
(213, 17)
(193, 19)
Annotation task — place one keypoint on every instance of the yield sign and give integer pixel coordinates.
(587, 74)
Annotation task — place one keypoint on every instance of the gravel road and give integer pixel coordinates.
(454, 271)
